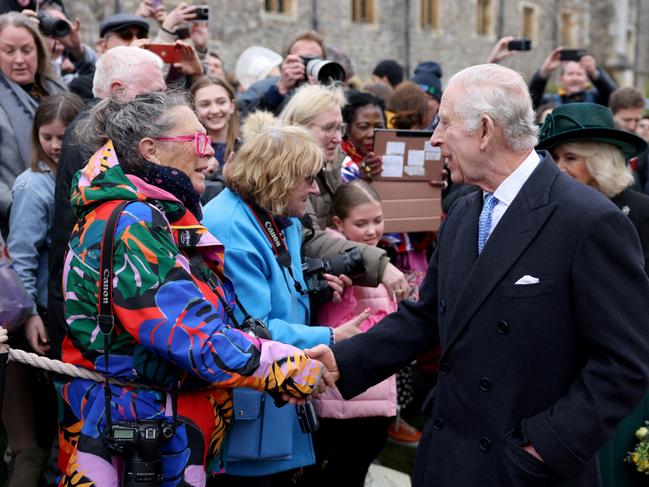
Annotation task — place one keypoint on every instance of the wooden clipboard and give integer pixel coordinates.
(410, 203)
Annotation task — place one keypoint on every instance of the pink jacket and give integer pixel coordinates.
(381, 399)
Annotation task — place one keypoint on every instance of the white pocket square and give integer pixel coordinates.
(526, 280)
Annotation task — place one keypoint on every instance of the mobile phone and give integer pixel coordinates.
(519, 45)
(202, 12)
(571, 54)
(169, 53)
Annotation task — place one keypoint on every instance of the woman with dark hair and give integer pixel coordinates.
(215, 104)
(175, 345)
(363, 113)
(25, 78)
(408, 106)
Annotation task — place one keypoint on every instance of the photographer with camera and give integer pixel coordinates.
(580, 79)
(147, 303)
(268, 184)
(304, 62)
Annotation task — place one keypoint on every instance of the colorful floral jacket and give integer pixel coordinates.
(171, 332)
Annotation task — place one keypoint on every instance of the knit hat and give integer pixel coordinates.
(390, 69)
(427, 76)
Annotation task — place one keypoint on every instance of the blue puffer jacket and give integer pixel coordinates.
(267, 292)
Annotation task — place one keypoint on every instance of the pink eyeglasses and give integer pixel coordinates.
(202, 142)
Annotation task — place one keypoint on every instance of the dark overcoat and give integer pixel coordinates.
(557, 363)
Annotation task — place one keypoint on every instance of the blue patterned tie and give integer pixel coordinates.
(484, 222)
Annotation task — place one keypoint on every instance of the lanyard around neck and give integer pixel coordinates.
(278, 244)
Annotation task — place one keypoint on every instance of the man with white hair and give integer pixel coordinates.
(125, 71)
(536, 294)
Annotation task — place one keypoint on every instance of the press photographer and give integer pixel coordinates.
(305, 60)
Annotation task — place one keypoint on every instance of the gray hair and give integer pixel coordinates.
(605, 163)
(502, 94)
(121, 63)
(125, 123)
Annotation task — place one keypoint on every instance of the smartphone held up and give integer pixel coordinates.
(169, 53)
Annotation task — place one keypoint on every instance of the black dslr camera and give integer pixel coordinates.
(51, 26)
(140, 442)
(349, 263)
(326, 72)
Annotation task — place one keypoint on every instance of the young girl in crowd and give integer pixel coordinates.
(29, 243)
(353, 432)
(215, 106)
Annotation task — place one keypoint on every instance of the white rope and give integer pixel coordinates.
(57, 366)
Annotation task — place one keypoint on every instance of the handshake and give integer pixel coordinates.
(329, 372)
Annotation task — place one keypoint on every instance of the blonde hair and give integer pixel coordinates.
(606, 165)
(18, 20)
(309, 101)
(273, 160)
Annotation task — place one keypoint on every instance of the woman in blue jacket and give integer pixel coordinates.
(256, 217)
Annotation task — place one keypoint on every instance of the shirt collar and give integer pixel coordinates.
(510, 187)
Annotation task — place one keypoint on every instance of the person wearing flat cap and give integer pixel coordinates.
(121, 30)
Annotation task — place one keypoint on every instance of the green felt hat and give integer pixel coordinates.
(587, 122)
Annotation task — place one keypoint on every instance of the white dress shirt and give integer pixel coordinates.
(509, 188)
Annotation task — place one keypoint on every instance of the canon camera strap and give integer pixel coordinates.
(277, 242)
(105, 319)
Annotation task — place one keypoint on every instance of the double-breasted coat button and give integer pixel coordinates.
(438, 423)
(485, 444)
(503, 327)
(444, 368)
(442, 306)
(485, 384)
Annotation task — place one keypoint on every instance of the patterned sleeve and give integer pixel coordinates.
(170, 312)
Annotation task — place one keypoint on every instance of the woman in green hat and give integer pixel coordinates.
(585, 144)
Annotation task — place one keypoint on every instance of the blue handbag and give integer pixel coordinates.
(260, 430)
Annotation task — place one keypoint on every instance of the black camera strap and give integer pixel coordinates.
(105, 318)
(278, 244)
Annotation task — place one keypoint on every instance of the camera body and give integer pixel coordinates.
(349, 263)
(51, 26)
(324, 71)
(571, 54)
(140, 442)
(202, 12)
(256, 328)
(519, 45)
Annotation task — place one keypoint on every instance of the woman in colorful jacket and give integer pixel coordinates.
(268, 184)
(173, 346)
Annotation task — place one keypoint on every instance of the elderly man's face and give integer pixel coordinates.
(460, 150)
(149, 79)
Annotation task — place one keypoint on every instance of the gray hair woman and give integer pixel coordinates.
(171, 302)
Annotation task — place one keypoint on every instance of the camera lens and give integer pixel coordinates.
(51, 26)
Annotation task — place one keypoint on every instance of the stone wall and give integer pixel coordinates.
(237, 24)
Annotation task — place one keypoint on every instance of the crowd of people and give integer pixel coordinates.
(174, 224)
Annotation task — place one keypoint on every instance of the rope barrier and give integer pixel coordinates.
(56, 366)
